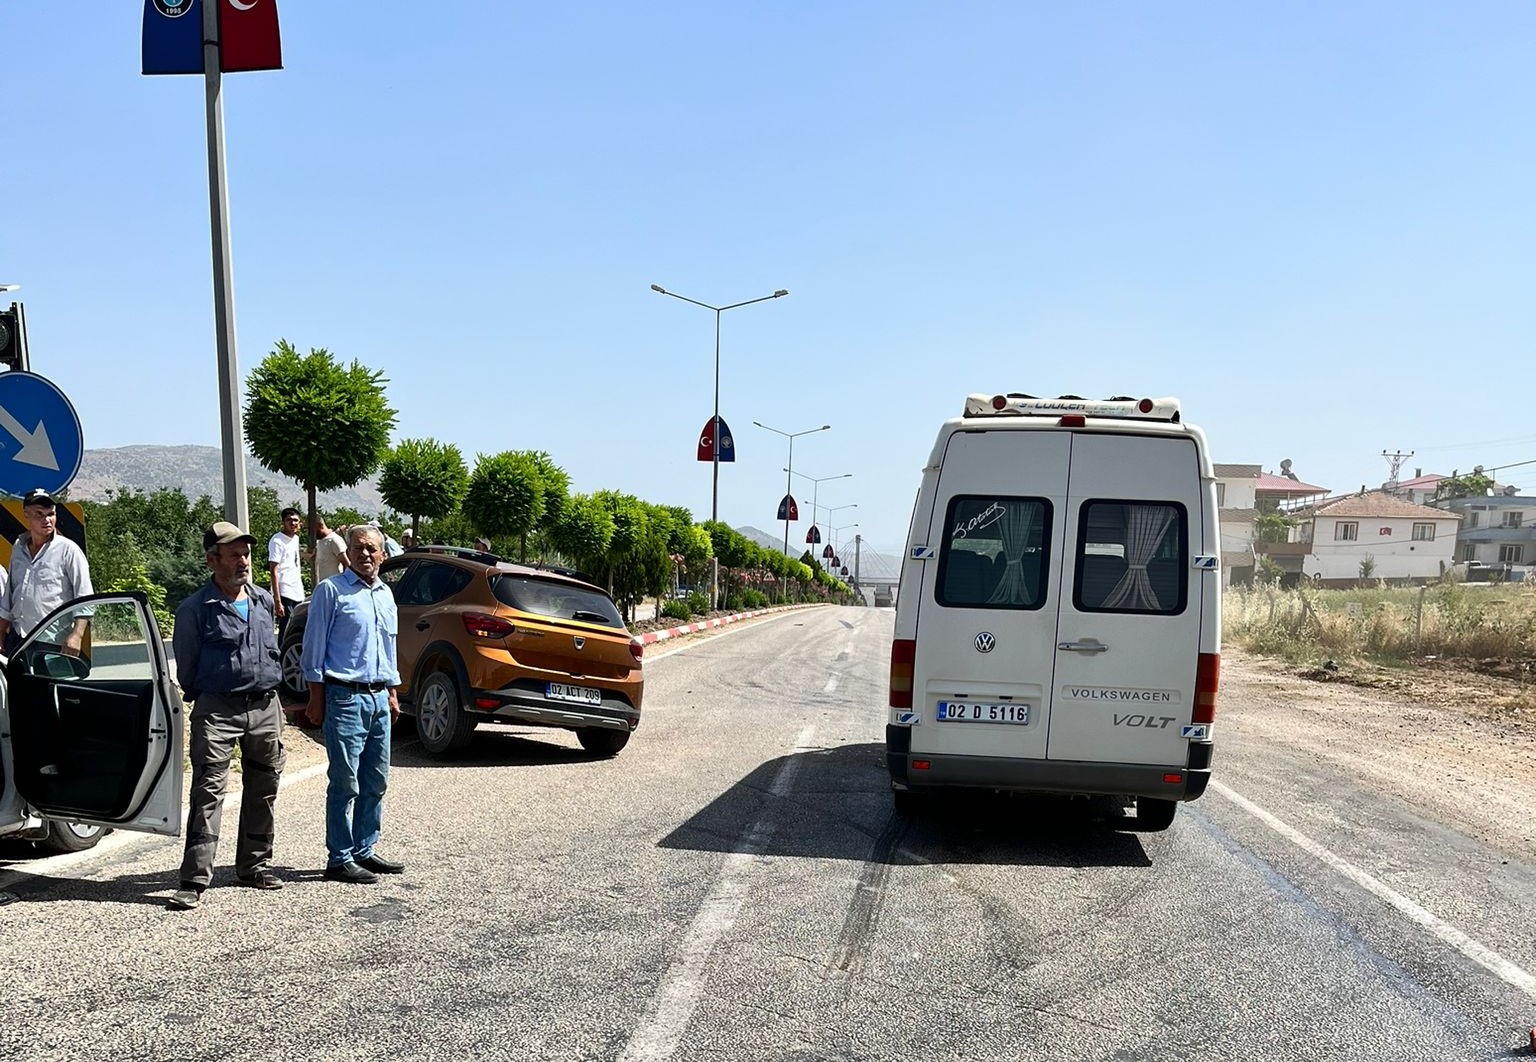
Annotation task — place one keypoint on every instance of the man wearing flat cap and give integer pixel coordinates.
(47, 570)
(227, 664)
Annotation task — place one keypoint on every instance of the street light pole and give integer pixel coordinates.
(835, 551)
(789, 469)
(834, 530)
(816, 482)
(714, 495)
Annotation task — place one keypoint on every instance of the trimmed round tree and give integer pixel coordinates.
(583, 532)
(423, 477)
(505, 497)
(312, 419)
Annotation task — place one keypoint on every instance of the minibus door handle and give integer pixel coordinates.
(1087, 645)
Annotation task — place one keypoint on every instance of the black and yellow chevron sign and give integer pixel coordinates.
(71, 525)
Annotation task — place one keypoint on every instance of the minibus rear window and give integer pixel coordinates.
(994, 553)
(1132, 557)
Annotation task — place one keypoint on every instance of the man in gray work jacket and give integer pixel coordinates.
(227, 664)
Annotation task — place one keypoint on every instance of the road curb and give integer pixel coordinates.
(651, 637)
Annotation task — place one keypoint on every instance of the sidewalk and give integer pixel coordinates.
(650, 637)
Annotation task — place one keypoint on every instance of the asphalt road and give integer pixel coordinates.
(734, 886)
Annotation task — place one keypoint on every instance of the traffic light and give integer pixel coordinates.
(12, 348)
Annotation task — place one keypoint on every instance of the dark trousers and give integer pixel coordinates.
(282, 621)
(219, 721)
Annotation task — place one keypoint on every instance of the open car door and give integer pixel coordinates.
(94, 723)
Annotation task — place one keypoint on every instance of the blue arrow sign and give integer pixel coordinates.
(40, 440)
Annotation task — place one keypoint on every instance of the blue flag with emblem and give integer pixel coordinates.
(173, 37)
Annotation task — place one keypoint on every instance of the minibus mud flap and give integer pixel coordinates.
(898, 742)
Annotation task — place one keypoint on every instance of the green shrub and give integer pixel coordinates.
(676, 609)
(698, 602)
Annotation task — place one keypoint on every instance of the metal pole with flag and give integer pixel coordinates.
(210, 37)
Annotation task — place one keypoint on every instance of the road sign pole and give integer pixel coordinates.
(235, 504)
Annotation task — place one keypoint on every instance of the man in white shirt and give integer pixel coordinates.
(283, 564)
(330, 552)
(47, 570)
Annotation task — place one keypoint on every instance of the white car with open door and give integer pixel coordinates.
(91, 738)
(1059, 622)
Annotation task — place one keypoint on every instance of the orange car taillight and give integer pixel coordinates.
(1207, 678)
(636, 648)
(903, 654)
(482, 626)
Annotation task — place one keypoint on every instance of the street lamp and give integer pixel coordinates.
(832, 540)
(790, 467)
(817, 481)
(714, 495)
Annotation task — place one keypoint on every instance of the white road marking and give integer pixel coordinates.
(121, 839)
(1448, 934)
(677, 998)
(831, 685)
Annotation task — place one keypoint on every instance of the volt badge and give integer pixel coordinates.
(985, 643)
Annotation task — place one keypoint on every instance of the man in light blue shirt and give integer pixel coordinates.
(349, 663)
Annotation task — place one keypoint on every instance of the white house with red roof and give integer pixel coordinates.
(1243, 492)
(1404, 542)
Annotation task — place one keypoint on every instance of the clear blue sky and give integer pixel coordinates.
(1314, 224)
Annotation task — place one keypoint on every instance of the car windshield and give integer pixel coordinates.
(545, 597)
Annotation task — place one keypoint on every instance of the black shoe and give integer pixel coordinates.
(380, 865)
(187, 897)
(351, 873)
(262, 879)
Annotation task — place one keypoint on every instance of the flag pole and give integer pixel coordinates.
(236, 508)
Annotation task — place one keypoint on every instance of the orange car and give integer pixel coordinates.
(485, 639)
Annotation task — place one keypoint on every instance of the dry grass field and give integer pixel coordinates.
(1397, 637)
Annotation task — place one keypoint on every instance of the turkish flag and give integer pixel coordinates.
(248, 36)
(707, 441)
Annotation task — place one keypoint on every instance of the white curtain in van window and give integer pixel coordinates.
(1014, 529)
(1145, 526)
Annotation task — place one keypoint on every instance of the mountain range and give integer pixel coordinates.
(871, 564)
(199, 470)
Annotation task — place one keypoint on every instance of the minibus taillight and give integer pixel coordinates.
(903, 653)
(1207, 677)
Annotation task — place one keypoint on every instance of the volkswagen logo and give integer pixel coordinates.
(985, 642)
(581, 643)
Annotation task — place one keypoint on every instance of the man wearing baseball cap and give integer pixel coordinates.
(47, 570)
(225, 646)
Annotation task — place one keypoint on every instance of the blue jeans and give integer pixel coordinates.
(357, 742)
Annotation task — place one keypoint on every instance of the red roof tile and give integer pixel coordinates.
(1282, 485)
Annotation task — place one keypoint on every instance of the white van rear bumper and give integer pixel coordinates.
(1046, 776)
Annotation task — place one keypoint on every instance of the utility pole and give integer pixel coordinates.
(1396, 461)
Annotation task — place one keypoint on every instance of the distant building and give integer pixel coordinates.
(1236, 509)
(1499, 529)
(1421, 489)
(1404, 542)
(1273, 492)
